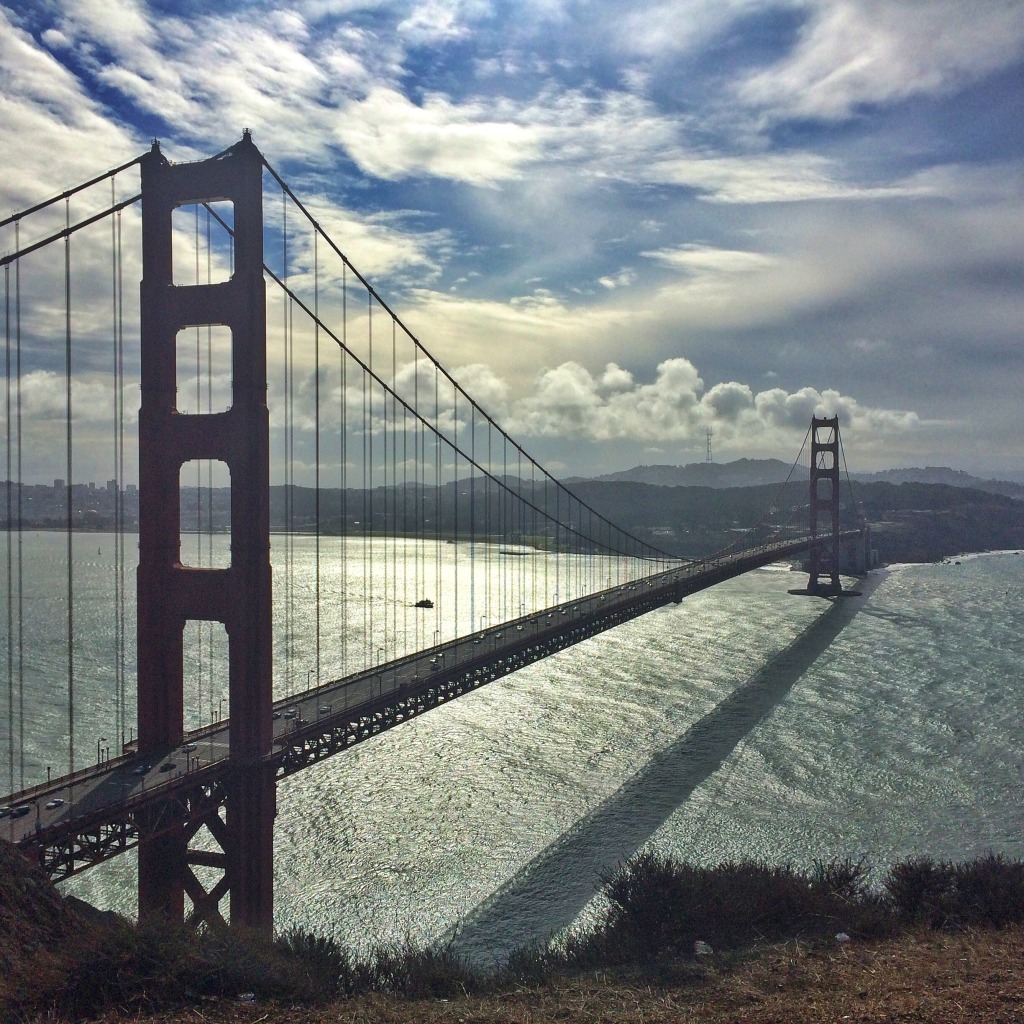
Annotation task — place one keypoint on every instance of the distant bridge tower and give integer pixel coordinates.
(169, 593)
(824, 554)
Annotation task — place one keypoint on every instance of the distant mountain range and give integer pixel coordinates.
(756, 472)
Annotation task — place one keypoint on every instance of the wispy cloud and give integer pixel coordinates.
(853, 53)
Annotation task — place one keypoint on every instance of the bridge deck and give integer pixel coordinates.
(77, 821)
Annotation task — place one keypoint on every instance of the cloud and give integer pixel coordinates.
(579, 186)
(758, 177)
(391, 137)
(697, 259)
(856, 52)
(569, 401)
(50, 129)
(438, 21)
(667, 28)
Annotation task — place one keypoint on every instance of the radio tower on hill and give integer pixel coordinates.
(709, 459)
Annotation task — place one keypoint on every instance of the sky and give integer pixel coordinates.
(626, 224)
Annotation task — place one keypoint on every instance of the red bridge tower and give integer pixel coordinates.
(169, 594)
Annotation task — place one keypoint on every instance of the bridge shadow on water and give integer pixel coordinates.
(548, 893)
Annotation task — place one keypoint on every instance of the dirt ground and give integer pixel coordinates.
(975, 977)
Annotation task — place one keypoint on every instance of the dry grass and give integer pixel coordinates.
(948, 963)
(974, 976)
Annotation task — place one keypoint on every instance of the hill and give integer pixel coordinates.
(910, 522)
(741, 473)
(756, 472)
(35, 924)
(60, 967)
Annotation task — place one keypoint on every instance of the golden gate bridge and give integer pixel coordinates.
(419, 551)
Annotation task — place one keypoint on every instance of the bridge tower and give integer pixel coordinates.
(169, 593)
(824, 554)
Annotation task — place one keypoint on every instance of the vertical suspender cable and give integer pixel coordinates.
(199, 476)
(522, 535)
(386, 585)
(406, 550)
(488, 549)
(119, 725)
(21, 575)
(345, 572)
(316, 435)
(10, 539)
(394, 493)
(368, 493)
(209, 471)
(69, 499)
(286, 383)
(473, 621)
(119, 523)
(455, 505)
(437, 508)
(418, 494)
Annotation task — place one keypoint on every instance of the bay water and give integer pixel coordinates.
(742, 723)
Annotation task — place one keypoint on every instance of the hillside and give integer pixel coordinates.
(756, 472)
(920, 975)
(971, 978)
(741, 473)
(910, 522)
(35, 923)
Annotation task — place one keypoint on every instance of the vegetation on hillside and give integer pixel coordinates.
(910, 522)
(664, 920)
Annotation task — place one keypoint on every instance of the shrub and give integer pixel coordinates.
(421, 972)
(658, 905)
(986, 891)
(990, 891)
(917, 890)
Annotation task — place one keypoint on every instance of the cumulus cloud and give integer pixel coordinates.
(569, 401)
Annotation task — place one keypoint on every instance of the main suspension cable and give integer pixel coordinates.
(371, 291)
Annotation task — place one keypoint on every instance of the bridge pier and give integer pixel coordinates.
(169, 593)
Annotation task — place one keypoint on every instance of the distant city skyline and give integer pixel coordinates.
(619, 227)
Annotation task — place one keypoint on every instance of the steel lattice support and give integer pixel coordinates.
(169, 593)
(824, 560)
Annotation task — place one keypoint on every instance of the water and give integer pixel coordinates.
(742, 723)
